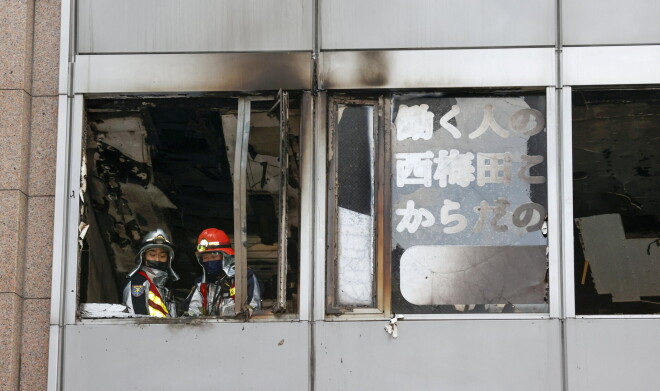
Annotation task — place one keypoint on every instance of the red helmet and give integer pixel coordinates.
(213, 239)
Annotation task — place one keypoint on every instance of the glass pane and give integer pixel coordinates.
(355, 206)
(469, 201)
(616, 175)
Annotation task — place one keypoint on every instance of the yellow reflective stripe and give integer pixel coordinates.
(156, 313)
(153, 297)
(156, 300)
(232, 291)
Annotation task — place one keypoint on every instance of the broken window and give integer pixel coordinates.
(184, 165)
(616, 136)
(352, 211)
(465, 179)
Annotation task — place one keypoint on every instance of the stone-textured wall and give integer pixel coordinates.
(29, 66)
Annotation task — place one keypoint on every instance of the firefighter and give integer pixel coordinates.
(213, 292)
(145, 292)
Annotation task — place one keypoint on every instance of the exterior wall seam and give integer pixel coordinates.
(17, 89)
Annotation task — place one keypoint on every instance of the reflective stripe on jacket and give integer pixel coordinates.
(142, 297)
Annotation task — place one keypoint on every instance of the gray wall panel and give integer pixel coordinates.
(159, 26)
(613, 354)
(226, 356)
(192, 72)
(438, 68)
(610, 22)
(505, 355)
(611, 65)
(398, 24)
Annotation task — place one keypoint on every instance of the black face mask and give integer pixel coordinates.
(157, 265)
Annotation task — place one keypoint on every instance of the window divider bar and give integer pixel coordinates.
(321, 198)
(306, 232)
(240, 199)
(72, 254)
(566, 139)
(380, 182)
(280, 306)
(330, 167)
(554, 219)
(385, 273)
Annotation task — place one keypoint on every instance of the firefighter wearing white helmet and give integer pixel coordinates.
(145, 292)
(213, 292)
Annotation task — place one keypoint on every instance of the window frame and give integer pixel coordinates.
(68, 204)
(568, 238)
(381, 168)
(555, 193)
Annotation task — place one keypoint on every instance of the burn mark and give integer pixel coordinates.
(283, 70)
(113, 165)
(374, 69)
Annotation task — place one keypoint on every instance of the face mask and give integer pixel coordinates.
(213, 268)
(157, 265)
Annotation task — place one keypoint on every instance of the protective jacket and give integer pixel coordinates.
(216, 298)
(145, 293)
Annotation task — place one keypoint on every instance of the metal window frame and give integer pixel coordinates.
(240, 199)
(568, 240)
(319, 143)
(380, 165)
(556, 220)
(554, 228)
(65, 279)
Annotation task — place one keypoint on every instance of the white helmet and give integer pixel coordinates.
(156, 239)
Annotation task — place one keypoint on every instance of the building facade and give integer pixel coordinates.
(456, 195)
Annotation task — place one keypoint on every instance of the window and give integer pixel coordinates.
(616, 202)
(447, 193)
(353, 210)
(184, 165)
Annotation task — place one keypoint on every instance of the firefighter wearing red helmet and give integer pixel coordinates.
(213, 292)
(145, 292)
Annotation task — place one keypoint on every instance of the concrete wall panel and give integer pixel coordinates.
(415, 24)
(611, 65)
(10, 340)
(34, 345)
(166, 26)
(232, 356)
(17, 22)
(438, 68)
(613, 354)
(45, 69)
(443, 355)
(610, 22)
(193, 72)
(14, 139)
